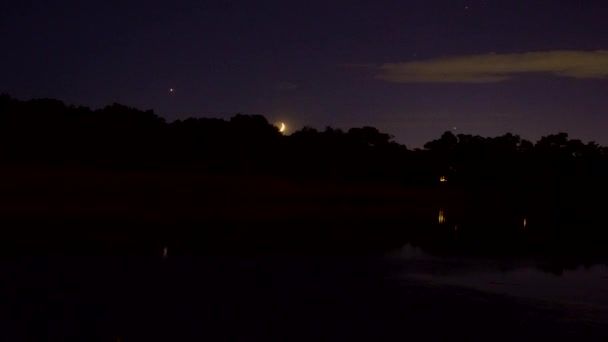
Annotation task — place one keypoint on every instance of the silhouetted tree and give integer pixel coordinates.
(46, 131)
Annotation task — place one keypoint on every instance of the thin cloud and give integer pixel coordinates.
(493, 68)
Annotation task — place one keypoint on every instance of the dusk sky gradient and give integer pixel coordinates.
(413, 69)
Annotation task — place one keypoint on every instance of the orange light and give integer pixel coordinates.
(441, 217)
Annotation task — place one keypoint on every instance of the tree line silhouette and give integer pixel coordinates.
(47, 132)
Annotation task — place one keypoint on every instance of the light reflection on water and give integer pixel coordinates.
(523, 278)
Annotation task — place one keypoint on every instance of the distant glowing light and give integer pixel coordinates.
(441, 217)
(525, 223)
(443, 179)
(171, 90)
(165, 252)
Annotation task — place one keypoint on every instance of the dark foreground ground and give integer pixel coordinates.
(109, 297)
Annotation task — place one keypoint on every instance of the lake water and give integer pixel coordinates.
(170, 296)
(522, 278)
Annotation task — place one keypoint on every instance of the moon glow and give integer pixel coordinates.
(282, 127)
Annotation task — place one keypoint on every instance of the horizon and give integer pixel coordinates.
(290, 130)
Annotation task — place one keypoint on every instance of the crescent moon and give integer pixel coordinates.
(282, 129)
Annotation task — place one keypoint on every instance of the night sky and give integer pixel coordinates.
(413, 69)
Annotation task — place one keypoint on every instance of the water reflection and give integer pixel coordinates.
(522, 278)
(482, 218)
